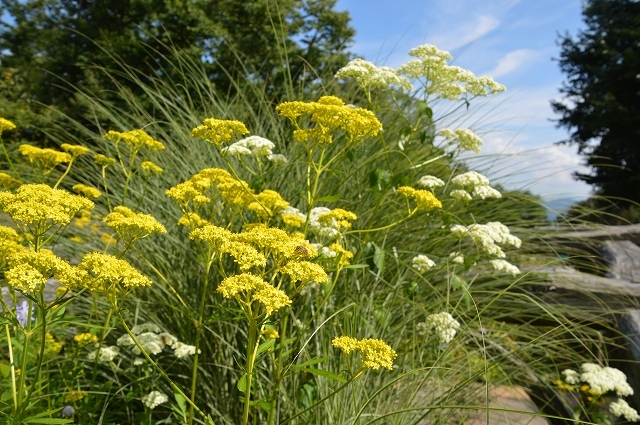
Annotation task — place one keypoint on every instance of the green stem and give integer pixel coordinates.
(63, 175)
(194, 372)
(252, 347)
(25, 349)
(6, 154)
(107, 321)
(278, 372)
(43, 345)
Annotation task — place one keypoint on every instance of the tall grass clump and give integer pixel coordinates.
(329, 259)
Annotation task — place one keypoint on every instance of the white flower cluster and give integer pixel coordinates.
(505, 266)
(277, 159)
(327, 229)
(443, 80)
(422, 263)
(369, 76)
(622, 408)
(153, 341)
(154, 399)
(465, 138)
(430, 182)
(444, 325)
(476, 183)
(456, 257)
(324, 251)
(571, 376)
(107, 353)
(488, 236)
(605, 379)
(256, 146)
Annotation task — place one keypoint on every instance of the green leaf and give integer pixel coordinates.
(6, 396)
(47, 421)
(330, 198)
(356, 266)
(242, 383)
(265, 346)
(5, 369)
(182, 402)
(378, 258)
(313, 361)
(323, 373)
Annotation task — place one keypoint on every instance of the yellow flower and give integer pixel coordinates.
(103, 161)
(256, 289)
(76, 239)
(51, 345)
(344, 254)
(31, 270)
(10, 243)
(87, 191)
(423, 198)
(267, 203)
(85, 338)
(244, 255)
(270, 334)
(7, 180)
(135, 139)
(192, 220)
(278, 243)
(44, 159)
(374, 352)
(40, 204)
(75, 150)
(5, 124)
(108, 272)
(213, 235)
(292, 220)
(305, 272)
(218, 132)
(329, 114)
(131, 226)
(150, 167)
(342, 217)
(83, 219)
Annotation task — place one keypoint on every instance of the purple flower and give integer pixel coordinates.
(22, 313)
(68, 411)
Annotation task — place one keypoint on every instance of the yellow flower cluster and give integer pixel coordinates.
(87, 191)
(192, 220)
(74, 150)
(267, 204)
(344, 254)
(213, 235)
(150, 167)
(305, 272)
(135, 139)
(7, 180)
(271, 334)
(244, 255)
(278, 243)
(5, 124)
(85, 338)
(254, 288)
(342, 217)
(9, 244)
(30, 270)
(103, 161)
(329, 114)
(218, 132)
(374, 352)
(130, 225)
(235, 192)
(292, 219)
(44, 159)
(423, 198)
(108, 272)
(39, 204)
(74, 395)
(52, 346)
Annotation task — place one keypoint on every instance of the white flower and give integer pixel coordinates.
(252, 145)
(151, 343)
(324, 251)
(367, 75)
(327, 231)
(605, 379)
(422, 263)
(183, 350)
(487, 236)
(444, 325)
(154, 399)
(139, 361)
(107, 353)
(571, 376)
(125, 341)
(456, 258)
(430, 182)
(277, 159)
(460, 195)
(167, 338)
(484, 192)
(145, 327)
(236, 150)
(505, 266)
(465, 138)
(470, 179)
(622, 408)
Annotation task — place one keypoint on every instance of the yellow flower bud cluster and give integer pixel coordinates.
(150, 167)
(103, 161)
(374, 352)
(305, 272)
(330, 114)
(423, 198)
(44, 159)
(110, 273)
(131, 226)
(87, 191)
(218, 132)
(52, 347)
(5, 124)
(247, 288)
(39, 204)
(75, 150)
(8, 181)
(85, 339)
(135, 139)
(30, 270)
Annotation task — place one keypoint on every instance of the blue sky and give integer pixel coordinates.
(514, 41)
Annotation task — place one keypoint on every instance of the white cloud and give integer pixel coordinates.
(512, 61)
(465, 32)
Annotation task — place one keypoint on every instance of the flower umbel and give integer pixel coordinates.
(374, 352)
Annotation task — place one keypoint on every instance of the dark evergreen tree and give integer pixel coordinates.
(601, 105)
